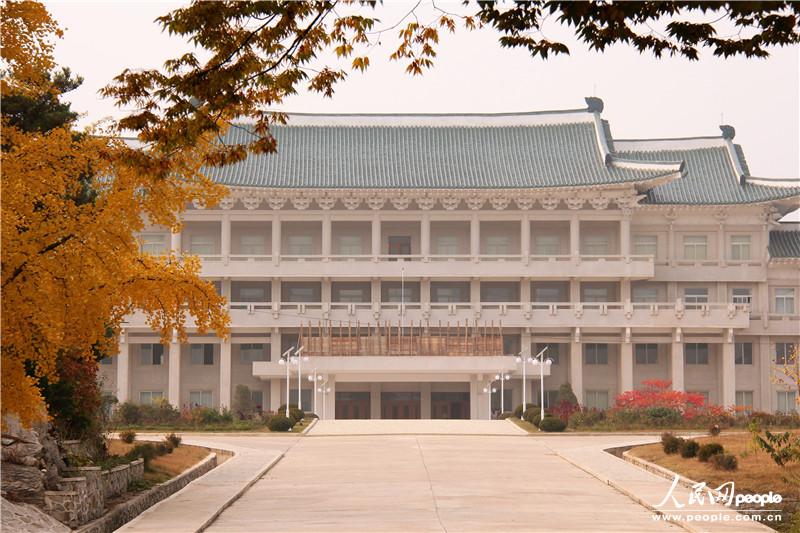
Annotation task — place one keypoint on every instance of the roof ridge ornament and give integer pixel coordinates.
(594, 104)
(728, 132)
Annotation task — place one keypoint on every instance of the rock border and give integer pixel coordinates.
(127, 511)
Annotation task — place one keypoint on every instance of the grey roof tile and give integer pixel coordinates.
(444, 157)
(784, 244)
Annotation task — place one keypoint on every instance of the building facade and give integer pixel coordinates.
(415, 256)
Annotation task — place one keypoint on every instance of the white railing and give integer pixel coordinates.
(249, 258)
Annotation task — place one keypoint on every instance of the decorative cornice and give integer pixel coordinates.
(474, 199)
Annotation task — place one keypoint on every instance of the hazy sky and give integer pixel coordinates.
(644, 97)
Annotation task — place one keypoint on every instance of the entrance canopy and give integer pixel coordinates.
(399, 368)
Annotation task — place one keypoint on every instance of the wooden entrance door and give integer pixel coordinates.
(352, 405)
(450, 405)
(400, 405)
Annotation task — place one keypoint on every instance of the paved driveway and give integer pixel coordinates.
(416, 427)
(407, 483)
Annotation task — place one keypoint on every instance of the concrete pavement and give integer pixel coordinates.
(416, 427)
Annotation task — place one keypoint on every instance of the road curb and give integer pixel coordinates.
(241, 491)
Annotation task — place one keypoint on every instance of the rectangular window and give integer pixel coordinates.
(742, 296)
(552, 352)
(550, 398)
(250, 353)
(300, 245)
(744, 400)
(447, 245)
(783, 353)
(252, 294)
(744, 353)
(694, 296)
(151, 354)
(151, 397)
(153, 244)
(549, 294)
(257, 397)
(740, 247)
(299, 293)
(645, 294)
(787, 401)
(201, 244)
(106, 361)
(396, 292)
(696, 353)
(498, 245)
(350, 245)
(784, 301)
(597, 399)
(645, 245)
(202, 354)
(695, 247)
(595, 354)
(596, 245)
(200, 398)
(596, 294)
(646, 354)
(449, 292)
(547, 244)
(499, 291)
(252, 244)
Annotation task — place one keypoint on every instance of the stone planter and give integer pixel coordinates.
(63, 505)
(137, 470)
(95, 493)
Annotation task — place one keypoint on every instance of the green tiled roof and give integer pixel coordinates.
(709, 179)
(436, 157)
(784, 244)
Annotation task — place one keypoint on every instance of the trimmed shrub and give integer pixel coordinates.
(688, 449)
(519, 410)
(173, 439)
(128, 413)
(296, 414)
(714, 430)
(724, 461)
(504, 415)
(529, 413)
(670, 443)
(706, 451)
(127, 436)
(536, 419)
(552, 424)
(146, 451)
(163, 448)
(280, 423)
(587, 418)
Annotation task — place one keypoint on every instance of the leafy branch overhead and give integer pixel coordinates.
(263, 52)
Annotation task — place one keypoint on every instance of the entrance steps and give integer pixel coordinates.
(416, 427)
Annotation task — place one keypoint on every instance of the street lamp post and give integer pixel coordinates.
(531, 359)
(314, 378)
(502, 378)
(299, 377)
(286, 361)
(542, 362)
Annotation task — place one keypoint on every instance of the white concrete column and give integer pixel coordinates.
(123, 369)
(425, 400)
(275, 291)
(728, 371)
(225, 288)
(375, 289)
(576, 366)
(525, 291)
(677, 365)
(671, 249)
(376, 236)
(575, 238)
(274, 345)
(625, 290)
(375, 401)
(764, 374)
(225, 374)
(276, 239)
(574, 290)
(425, 291)
(174, 363)
(330, 399)
(721, 251)
(225, 238)
(474, 237)
(175, 243)
(625, 366)
(474, 398)
(326, 290)
(763, 303)
(275, 396)
(475, 293)
(425, 236)
(625, 233)
(525, 238)
(326, 236)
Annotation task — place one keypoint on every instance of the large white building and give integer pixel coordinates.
(415, 255)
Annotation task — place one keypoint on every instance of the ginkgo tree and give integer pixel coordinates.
(72, 204)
